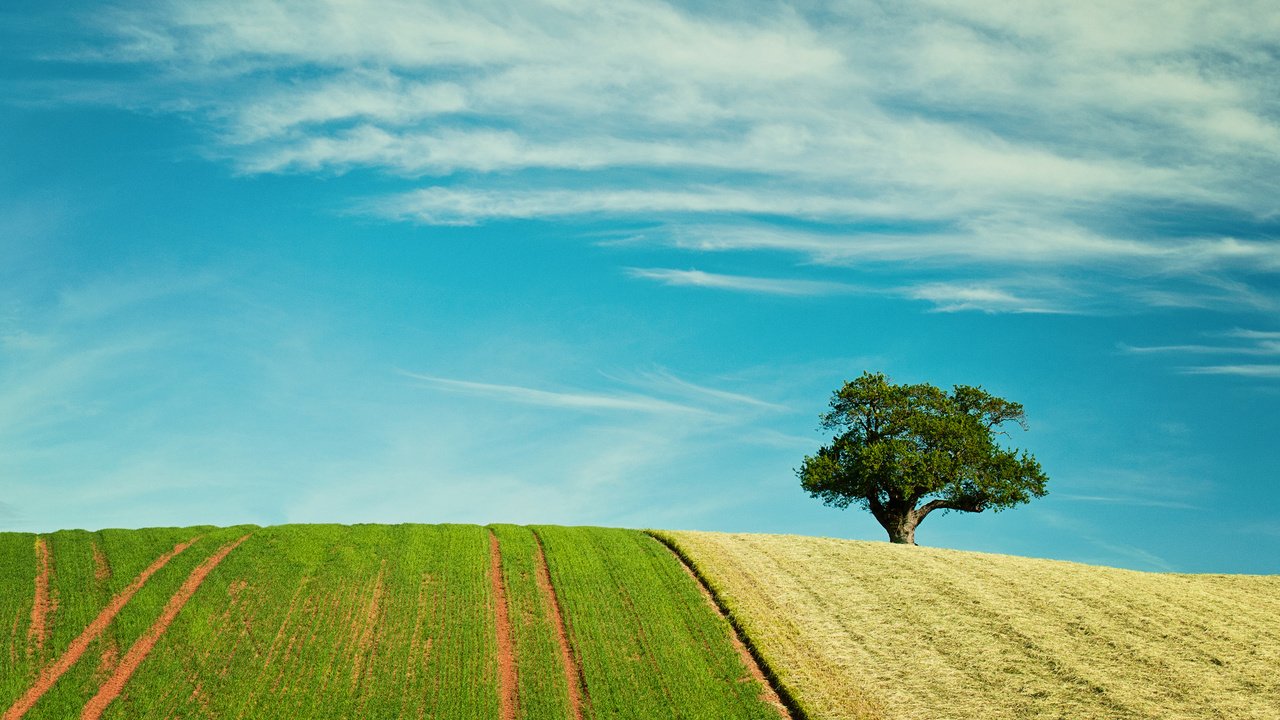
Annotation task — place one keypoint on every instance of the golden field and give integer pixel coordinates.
(878, 631)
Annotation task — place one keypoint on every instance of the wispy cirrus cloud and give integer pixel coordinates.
(742, 283)
(1129, 501)
(569, 400)
(665, 382)
(1047, 139)
(1260, 342)
(1249, 343)
(1248, 371)
(957, 297)
(656, 392)
(944, 296)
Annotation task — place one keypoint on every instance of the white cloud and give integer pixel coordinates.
(1264, 343)
(1131, 501)
(1133, 554)
(986, 134)
(1249, 371)
(1264, 335)
(740, 283)
(362, 93)
(663, 381)
(955, 297)
(945, 296)
(559, 399)
(450, 205)
(1266, 348)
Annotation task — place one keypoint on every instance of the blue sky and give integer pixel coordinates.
(604, 263)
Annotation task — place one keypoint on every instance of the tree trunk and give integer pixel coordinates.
(901, 528)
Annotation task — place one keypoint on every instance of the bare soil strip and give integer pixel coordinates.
(365, 644)
(768, 691)
(42, 606)
(77, 647)
(506, 654)
(132, 659)
(101, 566)
(572, 671)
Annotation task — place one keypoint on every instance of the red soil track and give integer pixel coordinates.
(572, 675)
(132, 659)
(101, 567)
(91, 632)
(42, 606)
(506, 653)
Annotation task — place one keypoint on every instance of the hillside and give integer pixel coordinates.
(873, 630)
(408, 621)
(550, 623)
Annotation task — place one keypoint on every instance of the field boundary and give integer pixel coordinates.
(95, 628)
(508, 683)
(574, 681)
(142, 647)
(787, 705)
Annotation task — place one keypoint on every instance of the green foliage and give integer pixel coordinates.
(896, 446)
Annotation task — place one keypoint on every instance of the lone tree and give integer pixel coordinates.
(897, 446)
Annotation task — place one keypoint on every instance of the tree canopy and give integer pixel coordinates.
(904, 451)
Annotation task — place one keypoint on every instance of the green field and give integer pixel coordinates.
(326, 621)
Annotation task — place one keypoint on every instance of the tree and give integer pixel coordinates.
(904, 451)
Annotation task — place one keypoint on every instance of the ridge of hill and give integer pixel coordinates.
(869, 630)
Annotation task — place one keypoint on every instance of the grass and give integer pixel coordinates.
(649, 644)
(78, 590)
(81, 596)
(17, 577)
(323, 621)
(871, 630)
(327, 621)
(543, 688)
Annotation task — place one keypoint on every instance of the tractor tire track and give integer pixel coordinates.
(77, 647)
(508, 682)
(43, 605)
(771, 693)
(132, 659)
(572, 669)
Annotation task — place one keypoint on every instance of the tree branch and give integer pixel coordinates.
(942, 504)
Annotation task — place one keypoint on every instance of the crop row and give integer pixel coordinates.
(82, 581)
(543, 686)
(327, 621)
(649, 645)
(332, 622)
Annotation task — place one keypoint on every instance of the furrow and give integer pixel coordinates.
(42, 606)
(572, 669)
(771, 692)
(502, 621)
(77, 647)
(132, 659)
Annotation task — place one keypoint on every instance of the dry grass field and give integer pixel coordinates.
(873, 630)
